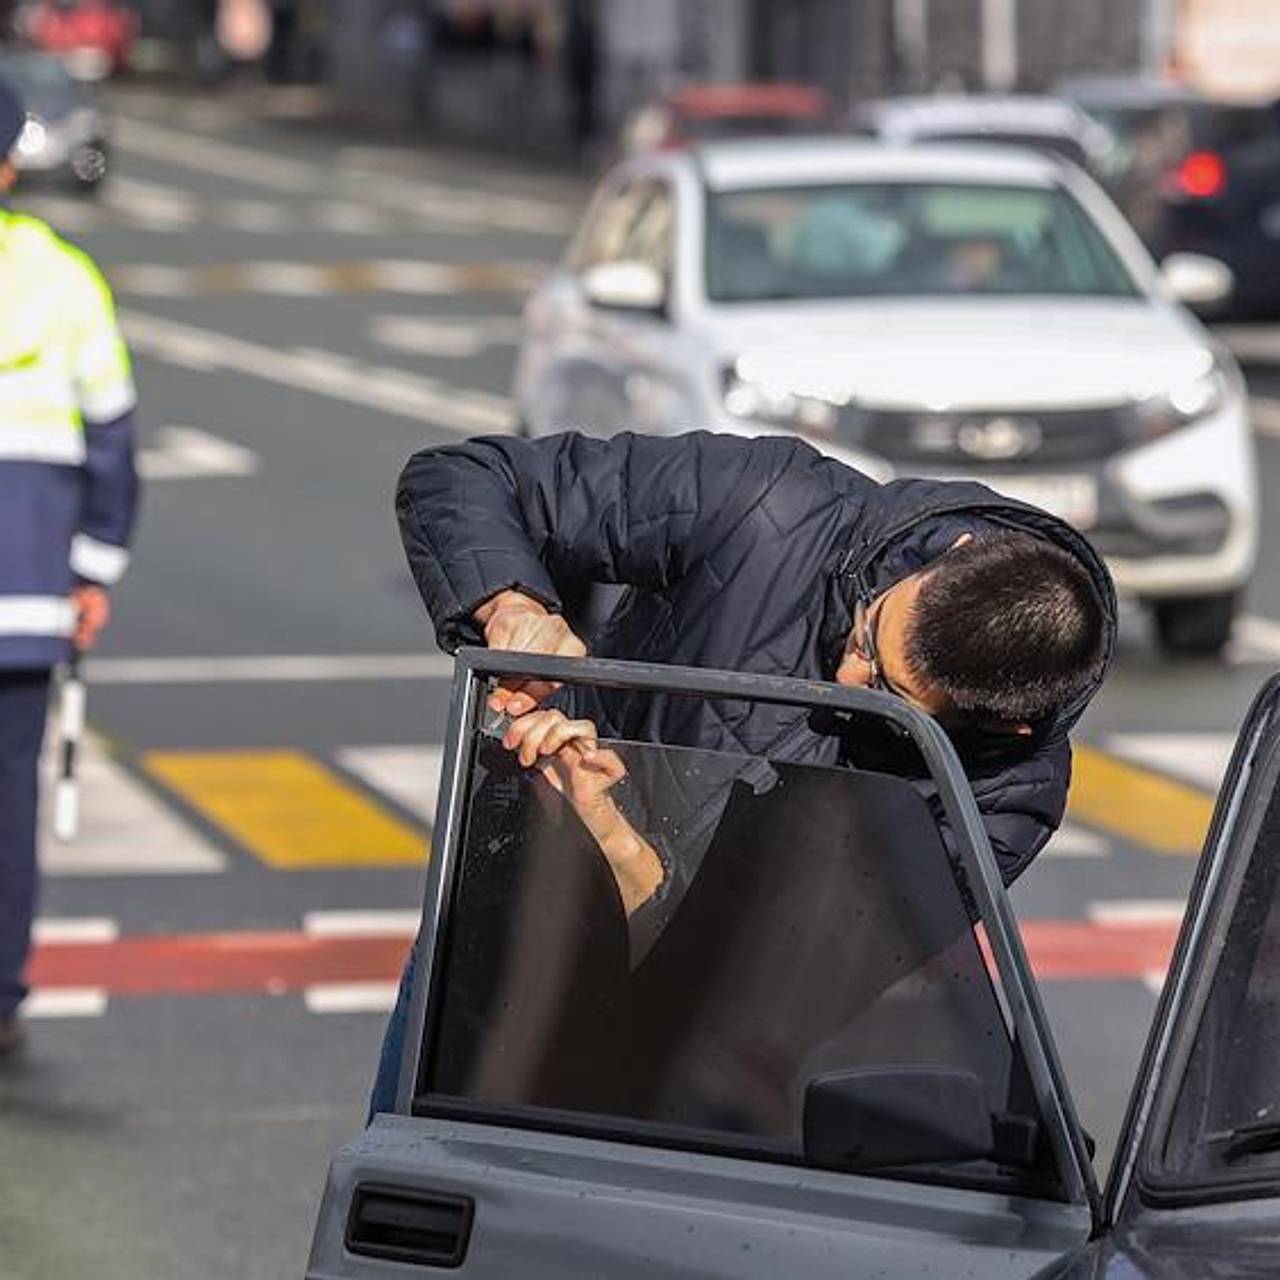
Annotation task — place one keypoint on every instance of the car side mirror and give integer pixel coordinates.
(883, 1117)
(1197, 280)
(625, 286)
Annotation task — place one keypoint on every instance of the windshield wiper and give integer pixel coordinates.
(1252, 1140)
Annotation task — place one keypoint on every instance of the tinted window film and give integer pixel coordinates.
(796, 921)
(1224, 1126)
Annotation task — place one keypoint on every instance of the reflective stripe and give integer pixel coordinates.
(63, 443)
(36, 616)
(97, 561)
(108, 402)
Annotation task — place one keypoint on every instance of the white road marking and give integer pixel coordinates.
(1198, 758)
(350, 218)
(269, 668)
(62, 932)
(444, 338)
(187, 453)
(124, 828)
(361, 924)
(289, 279)
(1260, 342)
(1255, 638)
(153, 280)
(151, 204)
(390, 390)
(408, 775)
(1153, 980)
(1264, 416)
(258, 217)
(351, 997)
(65, 213)
(65, 1002)
(1073, 841)
(1137, 911)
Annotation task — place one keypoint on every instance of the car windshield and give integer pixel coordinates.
(905, 239)
(808, 922)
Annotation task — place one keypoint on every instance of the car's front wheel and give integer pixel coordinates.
(1197, 626)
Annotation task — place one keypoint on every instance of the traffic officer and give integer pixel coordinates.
(68, 492)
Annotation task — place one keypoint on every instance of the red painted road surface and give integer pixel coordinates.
(276, 963)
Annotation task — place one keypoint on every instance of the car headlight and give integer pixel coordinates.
(33, 139)
(1196, 397)
(758, 399)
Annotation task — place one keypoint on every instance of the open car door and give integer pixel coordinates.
(811, 1046)
(1195, 1187)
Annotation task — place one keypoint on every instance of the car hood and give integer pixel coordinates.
(945, 354)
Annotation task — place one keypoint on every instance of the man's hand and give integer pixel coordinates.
(92, 607)
(571, 759)
(514, 621)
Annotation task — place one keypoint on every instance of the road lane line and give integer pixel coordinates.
(409, 775)
(270, 669)
(187, 453)
(389, 390)
(351, 997)
(287, 809)
(1198, 758)
(1137, 911)
(1137, 805)
(48, 930)
(361, 924)
(65, 1002)
(125, 830)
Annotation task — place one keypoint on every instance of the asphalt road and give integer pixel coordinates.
(307, 308)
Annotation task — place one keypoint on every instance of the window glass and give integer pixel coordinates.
(1225, 1120)
(872, 240)
(795, 921)
(633, 225)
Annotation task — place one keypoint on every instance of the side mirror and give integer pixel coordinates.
(625, 286)
(882, 1117)
(1197, 280)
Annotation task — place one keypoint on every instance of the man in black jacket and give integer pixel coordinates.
(763, 555)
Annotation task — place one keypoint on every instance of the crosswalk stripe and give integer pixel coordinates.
(85, 929)
(1198, 758)
(1142, 807)
(408, 775)
(351, 997)
(124, 828)
(65, 1002)
(1073, 841)
(361, 924)
(1137, 911)
(287, 809)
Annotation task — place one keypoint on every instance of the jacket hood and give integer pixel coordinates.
(897, 520)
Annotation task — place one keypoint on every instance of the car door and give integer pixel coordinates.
(810, 1046)
(1195, 1187)
(603, 366)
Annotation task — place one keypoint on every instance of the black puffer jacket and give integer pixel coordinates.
(740, 554)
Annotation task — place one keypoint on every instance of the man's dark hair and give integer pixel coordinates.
(1007, 625)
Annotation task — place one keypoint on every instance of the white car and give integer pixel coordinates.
(947, 310)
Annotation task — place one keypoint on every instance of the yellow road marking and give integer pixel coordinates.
(287, 809)
(1143, 807)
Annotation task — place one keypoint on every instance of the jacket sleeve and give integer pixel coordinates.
(500, 512)
(1023, 807)
(105, 395)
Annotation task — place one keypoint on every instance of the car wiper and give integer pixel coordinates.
(1252, 1140)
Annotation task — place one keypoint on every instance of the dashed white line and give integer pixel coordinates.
(351, 997)
(187, 453)
(65, 1002)
(1137, 911)
(65, 931)
(361, 924)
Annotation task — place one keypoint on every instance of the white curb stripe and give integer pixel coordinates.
(1137, 911)
(62, 932)
(361, 924)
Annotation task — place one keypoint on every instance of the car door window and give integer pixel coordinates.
(632, 225)
(1218, 1128)
(803, 921)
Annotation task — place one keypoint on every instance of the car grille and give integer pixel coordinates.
(993, 440)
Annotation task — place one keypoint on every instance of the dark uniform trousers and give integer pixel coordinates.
(24, 697)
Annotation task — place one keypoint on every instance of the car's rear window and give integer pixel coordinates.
(809, 921)
(914, 239)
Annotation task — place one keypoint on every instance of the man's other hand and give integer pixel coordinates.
(92, 607)
(516, 622)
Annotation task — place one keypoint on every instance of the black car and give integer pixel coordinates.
(1195, 175)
